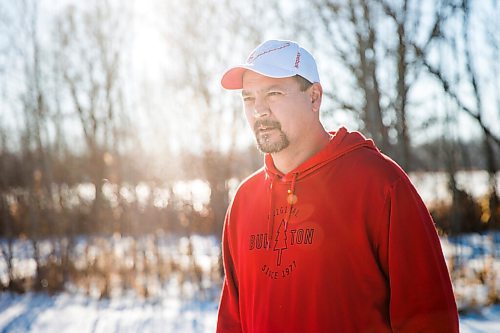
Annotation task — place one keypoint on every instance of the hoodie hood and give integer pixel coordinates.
(341, 143)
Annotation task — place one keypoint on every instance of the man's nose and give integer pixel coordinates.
(261, 109)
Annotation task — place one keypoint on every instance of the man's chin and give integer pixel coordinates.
(268, 147)
(271, 141)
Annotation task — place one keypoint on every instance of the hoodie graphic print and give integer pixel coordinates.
(343, 243)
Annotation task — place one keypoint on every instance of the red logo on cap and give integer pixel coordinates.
(253, 56)
(297, 60)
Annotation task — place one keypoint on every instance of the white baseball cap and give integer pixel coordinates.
(274, 58)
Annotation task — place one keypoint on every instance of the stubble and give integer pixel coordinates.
(268, 141)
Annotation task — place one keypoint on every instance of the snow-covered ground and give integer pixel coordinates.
(76, 313)
(486, 321)
(183, 304)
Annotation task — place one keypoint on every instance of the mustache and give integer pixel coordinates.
(269, 124)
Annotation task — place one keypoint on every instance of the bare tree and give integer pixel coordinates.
(464, 72)
(38, 174)
(373, 41)
(6, 221)
(200, 36)
(92, 41)
(488, 141)
(351, 27)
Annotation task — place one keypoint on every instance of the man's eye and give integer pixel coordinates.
(274, 93)
(248, 99)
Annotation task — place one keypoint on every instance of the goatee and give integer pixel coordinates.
(266, 141)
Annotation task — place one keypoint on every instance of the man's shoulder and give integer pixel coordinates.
(252, 181)
(246, 190)
(374, 164)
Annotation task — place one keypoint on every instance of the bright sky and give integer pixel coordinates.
(151, 63)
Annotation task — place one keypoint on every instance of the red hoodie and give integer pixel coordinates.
(343, 243)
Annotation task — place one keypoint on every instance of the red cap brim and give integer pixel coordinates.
(233, 78)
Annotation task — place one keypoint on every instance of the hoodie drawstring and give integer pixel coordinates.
(291, 199)
(270, 218)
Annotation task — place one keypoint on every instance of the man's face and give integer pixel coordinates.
(276, 109)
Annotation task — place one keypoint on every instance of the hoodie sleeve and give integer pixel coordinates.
(421, 298)
(228, 320)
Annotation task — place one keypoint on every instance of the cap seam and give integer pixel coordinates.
(251, 59)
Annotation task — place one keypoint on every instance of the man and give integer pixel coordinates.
(330, 236)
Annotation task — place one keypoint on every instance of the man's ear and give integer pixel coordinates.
(316, 95)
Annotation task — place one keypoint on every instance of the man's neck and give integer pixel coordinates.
(290, 158)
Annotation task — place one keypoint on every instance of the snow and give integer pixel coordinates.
(77, 313)
(177, 306)
(487, 321)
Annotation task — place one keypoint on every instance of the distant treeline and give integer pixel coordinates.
(30, 208)
(435, 155)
